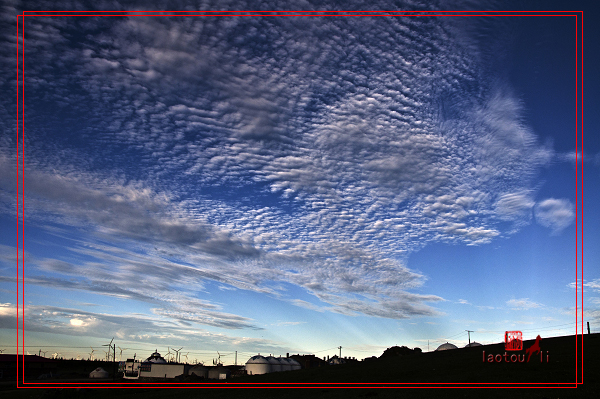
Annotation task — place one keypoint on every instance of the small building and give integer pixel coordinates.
(154, 366)
(199, 370)
(219, 373)
(309, 361)
(163, 370)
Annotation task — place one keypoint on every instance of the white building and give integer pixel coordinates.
(274, 364)
(154, 366)
(262, 365)
(285, 364)
(258, 365)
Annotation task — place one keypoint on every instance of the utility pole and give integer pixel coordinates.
(588, 324)
(469, 332)
(236, 358)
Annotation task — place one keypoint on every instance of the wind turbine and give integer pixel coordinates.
(110, 346)
(186, 359)
(168, 353)
(55, 355)
(177, 356)
(92, 353)
(121, 352)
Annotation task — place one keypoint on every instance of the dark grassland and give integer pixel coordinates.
(454, 366)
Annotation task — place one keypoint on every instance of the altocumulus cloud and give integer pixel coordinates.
(319, 152)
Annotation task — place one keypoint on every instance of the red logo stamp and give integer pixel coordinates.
(513, 341)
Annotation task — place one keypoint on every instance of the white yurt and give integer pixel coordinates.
(258, 365)
(155, 358)
(294, 364)
(472, 344)
(274, 363)
(446, 346)
(99, 373)
(285, 365)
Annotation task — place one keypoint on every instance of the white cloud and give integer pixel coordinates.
(556, 214)
(237, 149)
(523, 304)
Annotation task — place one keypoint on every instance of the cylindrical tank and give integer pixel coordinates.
(275, 365)
(258, 365)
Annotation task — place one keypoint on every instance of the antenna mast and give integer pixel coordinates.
(469, 332)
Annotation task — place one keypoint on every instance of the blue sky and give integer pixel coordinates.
(294, 184)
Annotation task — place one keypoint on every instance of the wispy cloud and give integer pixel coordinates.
(523, 304)
(128, 327)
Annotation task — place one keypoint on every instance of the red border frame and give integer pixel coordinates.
(21, 192)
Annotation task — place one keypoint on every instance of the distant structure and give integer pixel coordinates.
(285, 365)
(446, 346)
(396, 351)
(154, 366)
(335, 360)
(155, 358)
(199, 370)
(274, 363)
(309, 361)
(99, 373)
(258, 365)
(262, 365)
(219, 373)
(472, 344)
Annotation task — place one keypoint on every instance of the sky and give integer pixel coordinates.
(293, 184)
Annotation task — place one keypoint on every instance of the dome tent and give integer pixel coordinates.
(99, 373)
(285, 364)
(446, 346)
(294, 363)
(155, 358)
